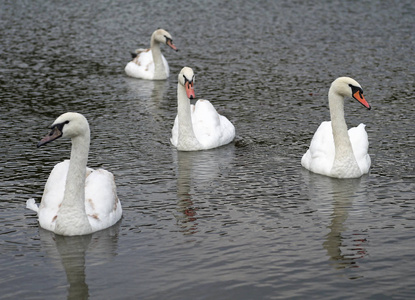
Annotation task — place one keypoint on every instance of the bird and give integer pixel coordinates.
(198, 126)
(77, 200)
(335, 151)
(150, 63)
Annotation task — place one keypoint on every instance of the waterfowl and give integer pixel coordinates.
(77, 200)
(150, 63)
(198, 126)
(335, 151)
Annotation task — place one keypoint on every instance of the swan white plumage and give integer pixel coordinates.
(199, 126)
(335, 151)
(150, 63)
(77, 200)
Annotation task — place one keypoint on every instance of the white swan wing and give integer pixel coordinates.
(143, 65)
(360, 144)
(53, 195)
(101, 202)
(228, 130)
(210, 128)
(319, 158)
(166, 65)
(31, 204)
(103, 210)
(175, 132)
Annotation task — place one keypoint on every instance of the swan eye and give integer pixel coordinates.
(356, 89)
(191, 82)
(168, 40)
(60, 125)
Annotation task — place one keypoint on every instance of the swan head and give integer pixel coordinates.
(162, 36)
(67, 125)
(348, 87)
(187, 80)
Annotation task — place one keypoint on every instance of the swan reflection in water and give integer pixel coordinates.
(70, 251)
(151, 91)
(149, 97)
(195, 171)
(345, 196)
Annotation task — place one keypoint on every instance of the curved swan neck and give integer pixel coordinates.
(338, 123)
(344, 156)
(187, 137)
(75, 181)
(159, 70)
(73, 204)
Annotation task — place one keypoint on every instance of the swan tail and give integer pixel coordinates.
(305, 160)
(30, 204)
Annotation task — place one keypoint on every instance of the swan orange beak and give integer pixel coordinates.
(190, 92)
(359, 97)
(171, 45)
(53, 135)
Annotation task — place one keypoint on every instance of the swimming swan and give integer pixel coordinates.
(77, 200)
(334, 151)
(199, 126)
(150, 63)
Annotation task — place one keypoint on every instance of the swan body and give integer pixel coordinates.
(335, 151)
(77, 200)
(150, 63)
(199, 126)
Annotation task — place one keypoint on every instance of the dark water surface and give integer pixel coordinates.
(244, 221)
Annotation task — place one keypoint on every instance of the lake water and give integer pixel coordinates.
(244, 221)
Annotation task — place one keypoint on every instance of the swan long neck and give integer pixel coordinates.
(73, 204)
(159, 70)
(75, 181)
(338, 123)
(343, 147)
(187, 137)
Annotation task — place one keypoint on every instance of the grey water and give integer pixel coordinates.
(244, 221)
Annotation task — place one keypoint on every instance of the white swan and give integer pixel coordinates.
(334, 151)
(150, 63)
(77, 200)
(199, 126)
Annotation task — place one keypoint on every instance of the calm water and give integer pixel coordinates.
(244, 221)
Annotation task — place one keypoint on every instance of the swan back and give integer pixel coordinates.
(101, 201)
(143, 66)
